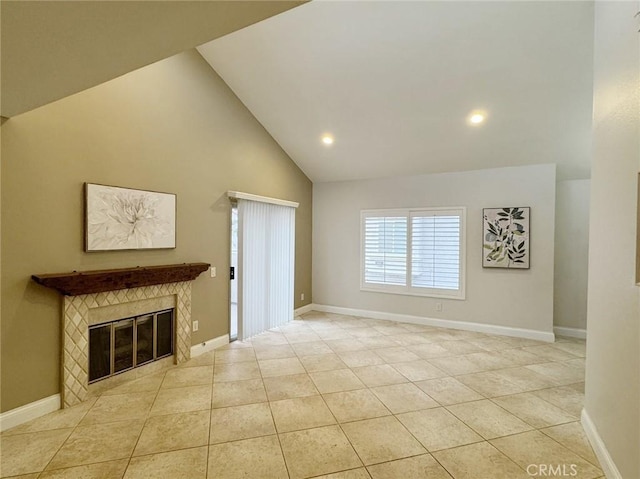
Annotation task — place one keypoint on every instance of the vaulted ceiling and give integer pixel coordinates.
(52, 49)
(394, 82)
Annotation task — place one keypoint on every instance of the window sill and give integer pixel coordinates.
(458, 296)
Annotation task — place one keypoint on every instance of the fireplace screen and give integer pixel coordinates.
(128, 343)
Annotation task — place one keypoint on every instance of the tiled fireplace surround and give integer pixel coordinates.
(82, 311)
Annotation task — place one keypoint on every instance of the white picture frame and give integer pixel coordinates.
(119, 219)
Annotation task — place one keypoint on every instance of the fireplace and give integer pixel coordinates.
(122, 345)
(113, 308)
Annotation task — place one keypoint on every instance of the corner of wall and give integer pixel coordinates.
(599, 447)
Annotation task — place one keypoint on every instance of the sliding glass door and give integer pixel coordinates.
(266, 247)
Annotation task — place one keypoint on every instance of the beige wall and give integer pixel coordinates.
(613, 313)
(172, 126)
(571, 254)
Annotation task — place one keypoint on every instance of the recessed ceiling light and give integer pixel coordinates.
(327, 140)
(476, 117)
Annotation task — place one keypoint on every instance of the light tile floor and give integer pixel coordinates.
(334, 397)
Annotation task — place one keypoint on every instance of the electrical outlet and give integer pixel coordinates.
(195, 326)
(439, 307)
(213, 272)
(302, 297)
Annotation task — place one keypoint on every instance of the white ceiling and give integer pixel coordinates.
(394, 82)
(52, 49)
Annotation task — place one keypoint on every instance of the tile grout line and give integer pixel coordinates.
(67, 438)
(275, 427)
(210, 424)
(164, 377)
(561, 383)
(338, 424)
(567, 447)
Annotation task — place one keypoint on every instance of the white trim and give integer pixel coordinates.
(441, 323)
(262, 199)
(599, 447)
(570, 332)
(209, 345)
(440, 294)
(30, 411)
(302, 310)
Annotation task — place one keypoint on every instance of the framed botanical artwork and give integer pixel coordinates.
(506, 237)
(127, 219)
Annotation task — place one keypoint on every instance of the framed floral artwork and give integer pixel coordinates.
(126, 219)
(506, 238)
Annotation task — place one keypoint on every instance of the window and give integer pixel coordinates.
(414, 251)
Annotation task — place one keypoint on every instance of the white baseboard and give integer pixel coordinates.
(303, 310)
(570, 332)
(209, 345)
(34, 410)
(441, 323)
(30, 411)
(599, 447)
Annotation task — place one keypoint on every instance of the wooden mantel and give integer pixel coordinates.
(99, 281)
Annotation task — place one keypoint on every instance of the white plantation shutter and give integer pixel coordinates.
(435, 245)
(414, 251)
(385, 244)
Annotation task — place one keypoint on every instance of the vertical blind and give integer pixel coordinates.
(417, 251)
(266, 244)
